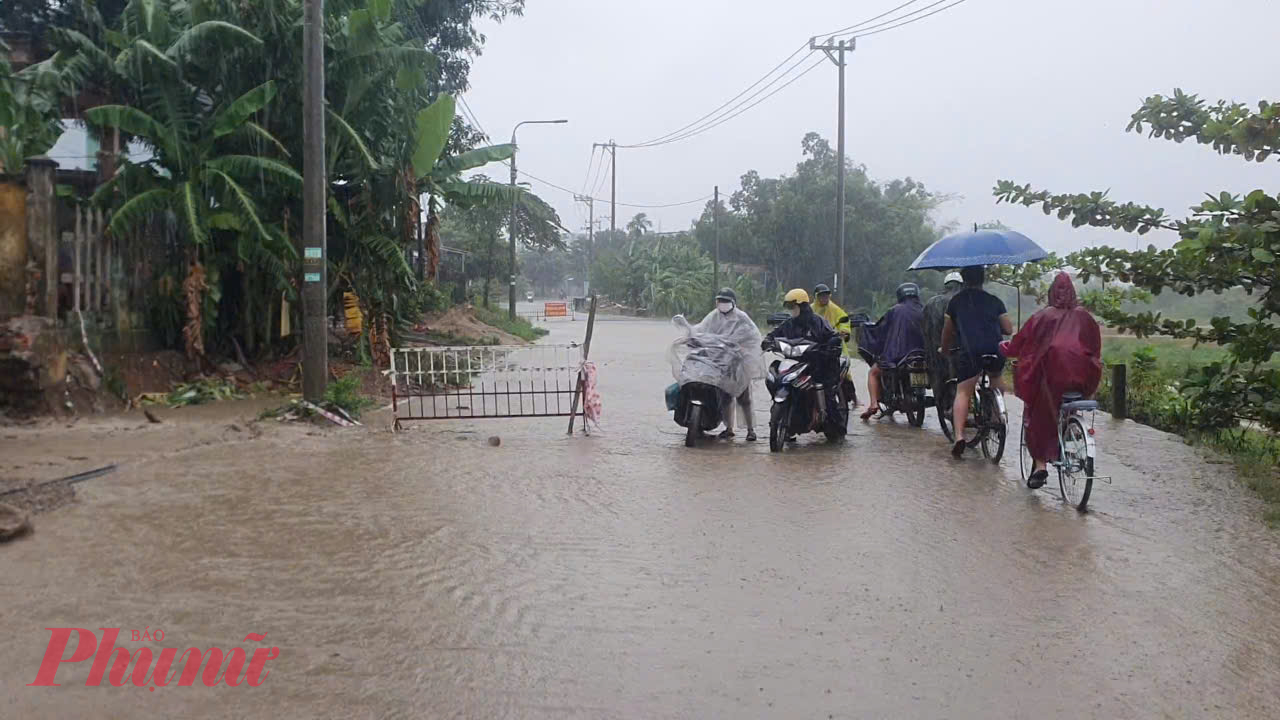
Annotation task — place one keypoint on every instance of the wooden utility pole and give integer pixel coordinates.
(315, 331)
(835, 52)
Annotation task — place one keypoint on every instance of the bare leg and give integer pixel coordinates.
(960, 409)
(745, 401)
(726, 402)
(873, 392)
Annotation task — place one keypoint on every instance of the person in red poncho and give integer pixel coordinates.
(1059, 350)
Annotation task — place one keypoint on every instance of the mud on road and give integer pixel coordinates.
(429, 574)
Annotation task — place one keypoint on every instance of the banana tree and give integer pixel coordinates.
(203, 174)
(440, 178)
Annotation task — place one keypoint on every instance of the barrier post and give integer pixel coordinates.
(1119, 391)
(586, 354)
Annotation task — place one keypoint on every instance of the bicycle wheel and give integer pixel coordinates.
(1024, 455)
(943, 402)
(1075, 469)
(994, 432)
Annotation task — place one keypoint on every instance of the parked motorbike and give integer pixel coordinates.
(800, 404)
(698, 401)
(903, 386)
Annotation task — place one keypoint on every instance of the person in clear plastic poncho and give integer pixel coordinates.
(732, 365)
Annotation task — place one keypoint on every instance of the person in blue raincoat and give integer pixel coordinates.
(898, 334)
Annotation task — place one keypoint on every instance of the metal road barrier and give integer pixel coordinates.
(490, 381)
(498, 381)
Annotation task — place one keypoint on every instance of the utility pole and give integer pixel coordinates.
(835, 53)
(315, 331)
(715, 233)
(612, 147)
(591, 238)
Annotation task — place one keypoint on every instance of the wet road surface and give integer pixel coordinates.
(428, 575)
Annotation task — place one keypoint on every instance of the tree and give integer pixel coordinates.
(208, 88)
(787, 225)
(1229, 241)
(29, 111)
(639, 225)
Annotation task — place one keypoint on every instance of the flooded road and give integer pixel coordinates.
(428, 575)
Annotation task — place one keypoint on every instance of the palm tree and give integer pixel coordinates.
(639, 225)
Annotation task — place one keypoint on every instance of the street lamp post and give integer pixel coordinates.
(511, 227)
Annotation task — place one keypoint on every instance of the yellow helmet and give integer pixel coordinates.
(796, 296)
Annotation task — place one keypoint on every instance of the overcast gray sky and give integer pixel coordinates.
(1028, 90)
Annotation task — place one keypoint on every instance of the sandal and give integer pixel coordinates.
(957, 450)
(751, 436)
(1037, 479)
(727, 435)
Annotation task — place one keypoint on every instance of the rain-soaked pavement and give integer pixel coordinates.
(428, 575)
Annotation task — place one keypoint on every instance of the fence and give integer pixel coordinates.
(500, 381)
(496, 381)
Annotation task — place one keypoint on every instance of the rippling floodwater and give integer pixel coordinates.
(428, 575)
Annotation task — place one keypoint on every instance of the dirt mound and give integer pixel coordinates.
(460, 325)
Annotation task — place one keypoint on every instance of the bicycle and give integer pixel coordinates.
(988, 425)
(1077, 451)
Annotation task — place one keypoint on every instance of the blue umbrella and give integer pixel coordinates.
(980, 247)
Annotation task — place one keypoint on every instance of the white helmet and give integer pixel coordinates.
(953, 277)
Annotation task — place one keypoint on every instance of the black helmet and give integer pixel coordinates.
(820, 289)
(727, 294)
(908, 289)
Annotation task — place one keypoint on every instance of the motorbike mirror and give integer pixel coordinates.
(778, 318)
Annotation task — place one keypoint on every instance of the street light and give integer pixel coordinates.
(511, 227)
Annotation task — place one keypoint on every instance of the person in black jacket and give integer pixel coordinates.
(806, 324)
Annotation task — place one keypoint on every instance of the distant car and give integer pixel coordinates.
(528, 297)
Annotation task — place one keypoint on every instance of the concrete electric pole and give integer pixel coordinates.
(315, 315)
(835, 52)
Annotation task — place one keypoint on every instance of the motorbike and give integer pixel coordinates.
(800, 404)
(697, 401)
(904, 386)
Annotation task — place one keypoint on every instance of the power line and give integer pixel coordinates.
(660, 138)
(742, 106)
(726, 118)
(868, 20)
(601, 200)
(861, 34)
(587, 178)
(467, 110)
(602, 173)
(471, 115)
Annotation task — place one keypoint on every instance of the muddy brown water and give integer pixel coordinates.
(428, 575)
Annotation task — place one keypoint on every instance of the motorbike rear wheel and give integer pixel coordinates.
(837, 425)
(916, 416)
(777, 428)
(694, 421)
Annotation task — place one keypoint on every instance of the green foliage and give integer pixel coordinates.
(212, 89)
(199, 392)
(29, 111)
(787, 226)
(519, 327)
(1229, 241)
(345, 393)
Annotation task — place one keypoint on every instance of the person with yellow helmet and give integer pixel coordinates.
(838, 319)
(805, 323)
